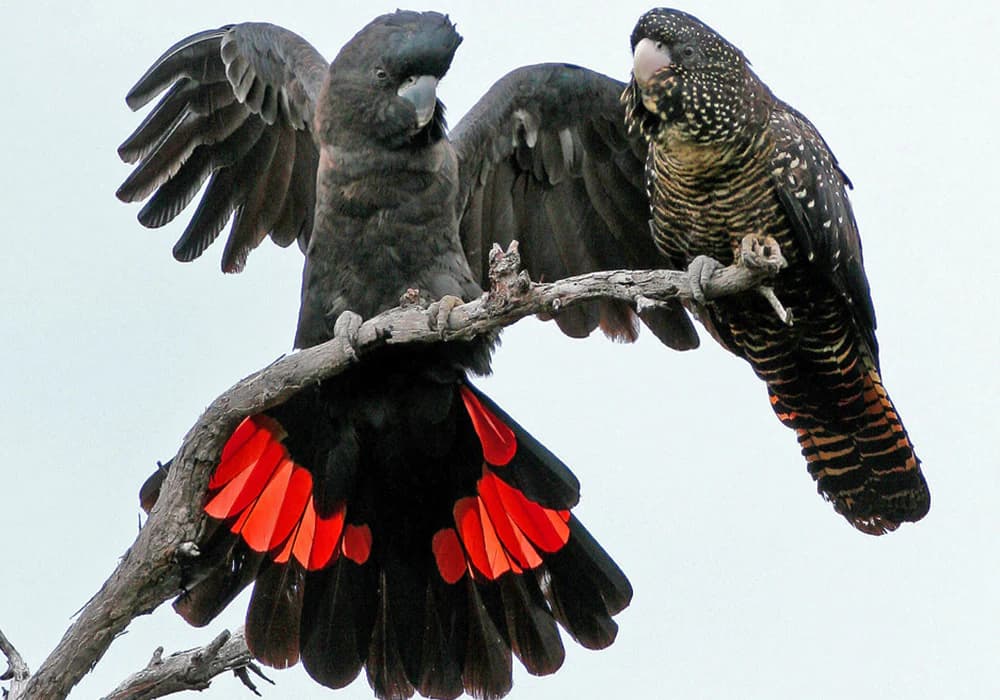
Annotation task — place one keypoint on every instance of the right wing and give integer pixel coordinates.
(238, 108)
(544, 158)
(813, 191)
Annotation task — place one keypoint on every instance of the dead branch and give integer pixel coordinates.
(193, 669)
(17, 670)
(149, 572)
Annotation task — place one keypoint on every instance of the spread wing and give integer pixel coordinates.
(813, 191)
(238, 108)
(544, 158)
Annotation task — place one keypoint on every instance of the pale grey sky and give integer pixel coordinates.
(747, 584)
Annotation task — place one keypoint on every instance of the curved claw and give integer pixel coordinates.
(700, 271)
(347, 326)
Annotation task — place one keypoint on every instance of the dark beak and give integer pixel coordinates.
(421, 92)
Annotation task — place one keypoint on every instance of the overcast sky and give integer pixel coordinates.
(747, 584)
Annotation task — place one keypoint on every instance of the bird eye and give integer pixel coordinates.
(381, 73)
(688, 52)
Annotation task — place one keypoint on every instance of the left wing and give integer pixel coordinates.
(544, 158)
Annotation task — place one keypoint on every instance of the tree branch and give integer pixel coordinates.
(193, 669)
(149, 573)
(17, 670)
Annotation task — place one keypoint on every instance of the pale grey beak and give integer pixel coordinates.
(649, 56)
(421, 92)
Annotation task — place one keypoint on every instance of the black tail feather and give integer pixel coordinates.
(531, 628)
(226, 566)
(337, 620)
(384, 667)
(488, 668)
(586, 588)
(441, 656)
(272, 625)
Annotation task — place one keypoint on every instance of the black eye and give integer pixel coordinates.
(381, 73)
(688, 52)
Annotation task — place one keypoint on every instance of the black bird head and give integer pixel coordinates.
(385, 79)
(688, 78)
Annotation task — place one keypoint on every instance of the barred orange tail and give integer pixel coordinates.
(863, 462)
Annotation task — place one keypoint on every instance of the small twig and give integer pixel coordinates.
(17, 670)
(194, 669)
(784, 314)
(243, 673)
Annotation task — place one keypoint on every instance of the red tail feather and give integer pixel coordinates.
(357, 543)
(449, 555)
(327, 536)
(499, 443)
(497, 531)
(269, 500)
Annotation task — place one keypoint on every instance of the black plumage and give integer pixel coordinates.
(393, 518)
(727, 159)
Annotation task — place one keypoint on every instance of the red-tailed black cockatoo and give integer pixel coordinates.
(393, 518)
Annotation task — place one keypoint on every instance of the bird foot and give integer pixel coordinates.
(347, 326)
(439, 312)
(761, 253)
(699, 272)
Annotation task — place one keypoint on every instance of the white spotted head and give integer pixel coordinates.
(687, 76)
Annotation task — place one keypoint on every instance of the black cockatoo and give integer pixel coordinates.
(726, 159)
(393, 517)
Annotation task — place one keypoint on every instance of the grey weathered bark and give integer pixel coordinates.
(193, 669)
(149, 572)
(17, 670)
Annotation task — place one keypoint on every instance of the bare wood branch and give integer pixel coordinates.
(17, 670)
(193, 669)
(149, 572)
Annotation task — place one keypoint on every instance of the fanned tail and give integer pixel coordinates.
(426, 539)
